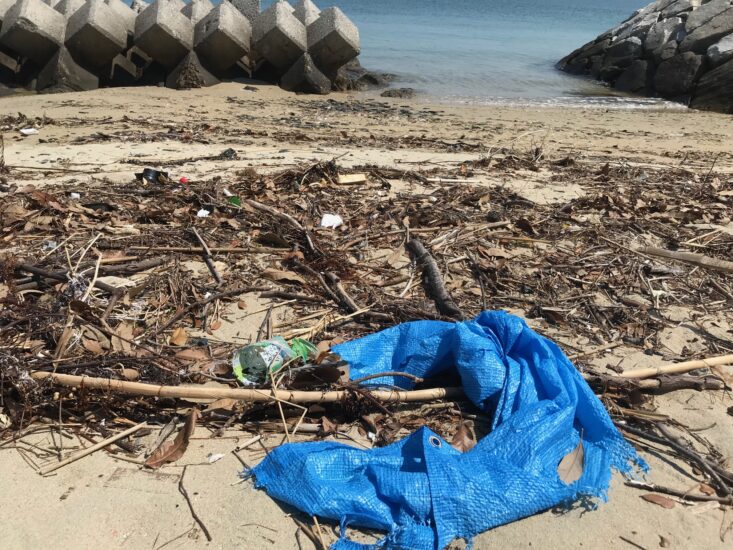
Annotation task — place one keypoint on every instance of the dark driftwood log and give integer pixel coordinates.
(433, 280)
(663, 384)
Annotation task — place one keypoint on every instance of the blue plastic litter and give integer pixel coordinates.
(420, 490)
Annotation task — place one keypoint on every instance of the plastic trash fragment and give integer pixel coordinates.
(183, 180)
(29, 131)
(424, 493)
(74, 196)
(303, 349)
(214, 457)
(331, 221)
(254, 363)
(203, 213)
(153, 176)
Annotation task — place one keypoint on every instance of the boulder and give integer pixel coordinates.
(278, 36)
(679, 6)
(721, 51)
(676, 76)
(623, 52)
(714, 90)
(635, 78)
(662, 32)
(709, 33)
(705, 13)
(333, 40)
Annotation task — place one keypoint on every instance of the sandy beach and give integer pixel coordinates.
(102, 138)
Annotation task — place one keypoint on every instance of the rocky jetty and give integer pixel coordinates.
(675, 49)
(74, 45)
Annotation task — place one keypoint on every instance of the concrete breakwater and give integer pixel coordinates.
(75, 45)
(676, 49)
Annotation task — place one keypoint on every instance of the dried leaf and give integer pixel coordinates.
(706, 489)
(280, 275)
(659, 500)
(92, 346)
(170, 451)
(465, 439)
(193, 355)
(397, 255)
(241, 304)
(328, 427)
(223, 405)
(571, 466)
(122, 334)
(130, 374)
(215, 325)
(179, 337)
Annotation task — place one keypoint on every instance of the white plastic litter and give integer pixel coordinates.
(203, 213)
(215, 458)
(29, 131)
(74, 196)
(332, 221)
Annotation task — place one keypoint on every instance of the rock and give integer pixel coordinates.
(660, 33)
(640, 28)
(402, 93)
(705, 13)
(675, 77)
(353, 76)
(678, 7)
(635, 78)
(581, 59)
(709, 33)
(721, 51)
(714, 90)
(622, 53)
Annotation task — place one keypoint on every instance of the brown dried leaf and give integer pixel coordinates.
(215, 325)
(706, 489)
(281, 275)
(241, 304)
(124, 332)
(659, 500)
(223, 405)
(465, 439)
(193, 355)
(130, 374)
(170, 451)
(92, 346)
(571, 466)
(328, 427)
(179, 337)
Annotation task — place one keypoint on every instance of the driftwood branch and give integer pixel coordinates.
(433, 280)
(239, 394)
(688, 258)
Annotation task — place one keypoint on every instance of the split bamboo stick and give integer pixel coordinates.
(678, 368)
(240, 394)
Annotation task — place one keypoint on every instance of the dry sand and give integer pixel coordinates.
(103, 501)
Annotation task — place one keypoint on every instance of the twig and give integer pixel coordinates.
(676, 492)
(699, 260)
(412, 377)
(207, 257)
(319, 533)
(90, 450)
(433, 280)
(182, 490)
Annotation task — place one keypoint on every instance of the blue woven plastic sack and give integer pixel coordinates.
(420, 490)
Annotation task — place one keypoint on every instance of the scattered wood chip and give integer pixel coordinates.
(659, 500)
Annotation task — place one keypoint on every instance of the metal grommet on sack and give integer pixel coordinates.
(435, 442)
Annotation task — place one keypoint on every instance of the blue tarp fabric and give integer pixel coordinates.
(420, 490)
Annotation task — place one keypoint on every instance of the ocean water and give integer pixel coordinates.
(487, 50)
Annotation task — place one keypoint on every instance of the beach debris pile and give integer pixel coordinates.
(678, 50)
(79, 45)
(123, 312)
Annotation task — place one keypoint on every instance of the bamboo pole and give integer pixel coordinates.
(689, 258)
(678, 368)
(239, 394)
(93, 449)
